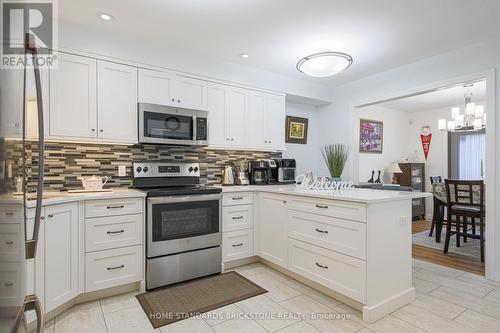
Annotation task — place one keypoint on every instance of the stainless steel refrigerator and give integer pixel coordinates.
(18, 241)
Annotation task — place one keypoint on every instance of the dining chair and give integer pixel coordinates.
(465, 199)
(439, 209)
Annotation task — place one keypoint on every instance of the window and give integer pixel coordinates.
(467, 154)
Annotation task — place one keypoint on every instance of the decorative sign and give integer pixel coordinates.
(425, 138)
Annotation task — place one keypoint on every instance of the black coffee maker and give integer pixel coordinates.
(262, 172)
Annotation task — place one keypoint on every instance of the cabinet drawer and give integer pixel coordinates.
(237, 217)
(109, 268)
(237, 244)
(239, 198)
(11, 213)
(11, 290)
(10, 240)
(341, 273)
(335, 208)
(103, 233)
(96, 208)
(344, 236)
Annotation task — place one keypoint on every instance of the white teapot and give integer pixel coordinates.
(94, 183)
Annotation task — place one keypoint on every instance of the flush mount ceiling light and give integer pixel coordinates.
(105, 17)
(324, 64)
(244, 55)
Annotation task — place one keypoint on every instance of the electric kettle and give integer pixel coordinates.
(228, 175)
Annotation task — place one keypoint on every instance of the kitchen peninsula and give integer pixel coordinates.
(356, 243)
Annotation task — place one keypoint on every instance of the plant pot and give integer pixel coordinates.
(336, 179)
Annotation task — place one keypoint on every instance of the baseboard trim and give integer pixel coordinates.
(382, 309)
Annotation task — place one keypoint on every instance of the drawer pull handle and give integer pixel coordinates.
(322, 231)
(115, 207)
(321, 266)
(322, 206)
(9, 284)
(115, 232)
(50, 215)
(9, 242)
(9, 213)
(115, 267)
(237, 198)
(237, 217)
(238, 245)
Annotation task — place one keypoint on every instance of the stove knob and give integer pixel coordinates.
(139, 169)
(190, 169)
(145, 169)
(195, 169)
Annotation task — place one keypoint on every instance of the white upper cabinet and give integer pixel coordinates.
(117, 102)
(189, 93)
(61, 254)
(255, 118)
(11, 102)
(155, 87)
(245, 118)
(236, 131)
(218, 107)
(274, 122)
(73, 102)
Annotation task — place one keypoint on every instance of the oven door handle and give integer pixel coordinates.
(186, 198)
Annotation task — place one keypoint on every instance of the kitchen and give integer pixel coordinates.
(142, 178)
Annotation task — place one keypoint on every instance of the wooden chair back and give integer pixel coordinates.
(465, 193)
(436, 179)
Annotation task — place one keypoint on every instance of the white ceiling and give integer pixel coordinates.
(443, 98)
(379, 35)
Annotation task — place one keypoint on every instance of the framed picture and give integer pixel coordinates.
(296, 130)
(371, 136)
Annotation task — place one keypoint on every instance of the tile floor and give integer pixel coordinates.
(448, 300)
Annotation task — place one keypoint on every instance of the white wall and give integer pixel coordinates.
(122, 47)
(466, 61)
(395, 141)
(306, 155)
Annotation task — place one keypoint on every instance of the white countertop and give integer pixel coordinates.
(356, 194)
(53, 197)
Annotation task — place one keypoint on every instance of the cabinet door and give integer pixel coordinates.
(155, 87)
(61, 254)
(274, 122)
(236, 132)
(190, 93)
(255, 119)
(218, 107)
(11, 102)
(73, 104)
(271, 228)
(117, 102)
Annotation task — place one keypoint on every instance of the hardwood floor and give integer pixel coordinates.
(453, 260)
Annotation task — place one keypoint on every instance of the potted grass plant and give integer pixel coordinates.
(335, 156)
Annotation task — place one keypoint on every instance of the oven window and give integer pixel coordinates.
(187, 219)
(168, 126)
(289, 174)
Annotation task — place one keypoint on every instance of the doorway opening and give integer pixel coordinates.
(426, 141)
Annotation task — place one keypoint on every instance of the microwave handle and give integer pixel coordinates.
(195, 128)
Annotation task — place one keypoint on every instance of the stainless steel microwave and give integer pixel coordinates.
(172, 125)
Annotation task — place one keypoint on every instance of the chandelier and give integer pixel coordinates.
(472, 119)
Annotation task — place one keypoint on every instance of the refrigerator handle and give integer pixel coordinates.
(31, 302)
(31, 244)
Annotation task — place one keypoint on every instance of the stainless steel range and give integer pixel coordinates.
(183, 222)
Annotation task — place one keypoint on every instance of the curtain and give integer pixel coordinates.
(471, 152)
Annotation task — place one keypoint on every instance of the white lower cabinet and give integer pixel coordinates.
(271, 228)
(103, 233)
(237, 244)
(61, 254)
(110, 268)
(341, 273)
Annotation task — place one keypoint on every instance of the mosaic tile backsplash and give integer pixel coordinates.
(66, 163)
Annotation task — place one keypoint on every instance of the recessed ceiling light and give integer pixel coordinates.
(244, 55)
(105, 17)
(324, 64)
